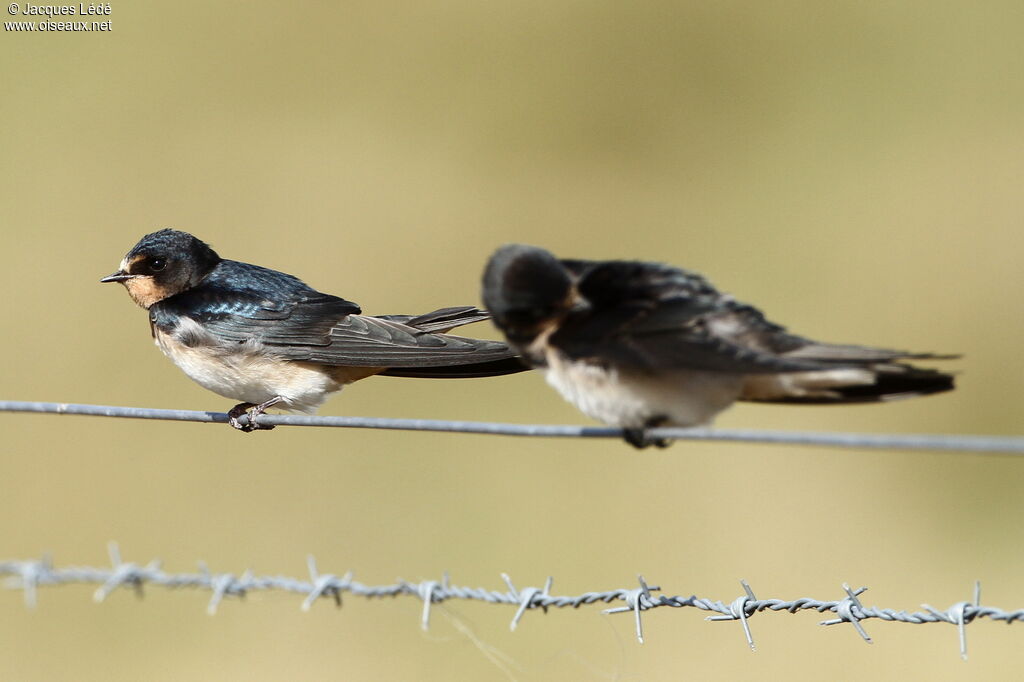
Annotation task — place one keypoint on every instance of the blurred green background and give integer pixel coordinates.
(853, 168)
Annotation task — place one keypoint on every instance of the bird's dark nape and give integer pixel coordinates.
(523, 281)
(168, 241)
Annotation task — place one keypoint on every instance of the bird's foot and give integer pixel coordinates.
(639, 439)
(253, 411)
(237, 411)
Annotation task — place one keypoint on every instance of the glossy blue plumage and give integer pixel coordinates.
(250, 292)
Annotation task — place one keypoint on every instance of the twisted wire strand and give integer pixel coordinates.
(29, 575)
(930, 442)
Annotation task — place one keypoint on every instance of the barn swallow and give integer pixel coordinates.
(266, 338)
(638, 345)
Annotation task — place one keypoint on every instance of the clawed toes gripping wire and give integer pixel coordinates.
(29, 575)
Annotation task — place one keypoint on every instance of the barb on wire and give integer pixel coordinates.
(907, 441)
(29, 575)
(739, 610)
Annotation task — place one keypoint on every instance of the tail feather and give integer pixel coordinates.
(442, 321)
(830, 352)
(873, 383)
(491, 368)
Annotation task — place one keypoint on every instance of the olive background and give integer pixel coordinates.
(852, 168)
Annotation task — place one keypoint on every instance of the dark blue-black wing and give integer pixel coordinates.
(653, 316)
(241, 302)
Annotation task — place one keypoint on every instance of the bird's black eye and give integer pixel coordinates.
(157, 264)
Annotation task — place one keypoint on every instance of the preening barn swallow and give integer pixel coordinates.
(638, 345)
(267, 339)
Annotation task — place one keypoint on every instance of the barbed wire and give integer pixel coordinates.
(30, 575)
(934, 442)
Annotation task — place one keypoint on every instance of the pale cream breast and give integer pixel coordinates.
(631, 399)
(247, 372)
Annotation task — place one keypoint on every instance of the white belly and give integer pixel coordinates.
(248, 374)
(632, 399)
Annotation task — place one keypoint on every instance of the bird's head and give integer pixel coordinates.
(526, 289)
(163, 264)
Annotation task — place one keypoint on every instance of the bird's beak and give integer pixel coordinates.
(118, 276)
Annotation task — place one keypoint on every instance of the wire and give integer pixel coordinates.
(932, 442)
(30, 575)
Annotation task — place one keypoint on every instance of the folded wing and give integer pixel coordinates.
(654, 317)
(327, 330)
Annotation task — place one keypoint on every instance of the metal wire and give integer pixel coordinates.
(30, 575)
(934, 442)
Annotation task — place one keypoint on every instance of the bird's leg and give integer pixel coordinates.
(639, 439)
(253, 411)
